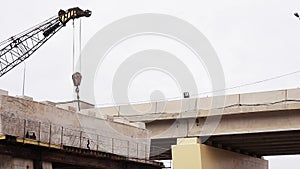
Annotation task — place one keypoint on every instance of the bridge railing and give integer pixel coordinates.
(60, 136)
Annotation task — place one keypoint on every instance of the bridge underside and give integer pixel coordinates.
(253, 144)
(69, 156)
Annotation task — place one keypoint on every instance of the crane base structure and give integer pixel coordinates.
(190, 154)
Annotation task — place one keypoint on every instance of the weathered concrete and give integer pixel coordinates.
(3, 92)
(269, 121)
(189, 153)
(46, 165)
(126, 135)
(202, 107)
(9, 162)
(240, 115)
(16, 154)
(74, 104)
(264, 112)
(60, 126)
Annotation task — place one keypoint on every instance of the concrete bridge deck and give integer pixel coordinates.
(256, 124)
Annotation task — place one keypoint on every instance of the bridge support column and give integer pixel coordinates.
(9, 162)
(190, 154)
(46, 165)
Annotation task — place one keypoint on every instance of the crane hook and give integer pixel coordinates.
(76, 77)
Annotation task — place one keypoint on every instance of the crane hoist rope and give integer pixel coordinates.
(77, 77)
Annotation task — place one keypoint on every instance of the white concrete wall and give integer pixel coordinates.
(22, 108)
(3, 92)
(5, 162)
(18, 163)
(47, 165)
(262, 97)
(71, 128)
(199, 105)
(9, 162)
(116, 137)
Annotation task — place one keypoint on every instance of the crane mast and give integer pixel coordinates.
(17, 48)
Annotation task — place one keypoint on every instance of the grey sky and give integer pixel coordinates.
(254, 39)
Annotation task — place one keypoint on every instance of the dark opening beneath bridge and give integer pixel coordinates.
(253, 144)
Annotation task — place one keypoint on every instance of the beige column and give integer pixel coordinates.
(190, 154)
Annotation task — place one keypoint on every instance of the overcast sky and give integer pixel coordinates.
(254, 39)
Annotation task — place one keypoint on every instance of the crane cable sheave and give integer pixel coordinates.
(65, 16)
(72, 13)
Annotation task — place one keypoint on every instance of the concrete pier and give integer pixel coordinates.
(10, 162)
(190, 154)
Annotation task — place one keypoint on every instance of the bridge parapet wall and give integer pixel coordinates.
(49, 125)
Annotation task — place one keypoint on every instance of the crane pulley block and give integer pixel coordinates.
(72, 13)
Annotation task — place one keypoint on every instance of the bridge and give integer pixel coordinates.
(36, 135)
(245, 127)
(253, 124)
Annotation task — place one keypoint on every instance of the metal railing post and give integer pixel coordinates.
(80, 141)
(128, 153)
(145, 151)
(62, 136)
(97, 142)
(137, 150)
(50, 133)
(112, 145)
(24, 130)
(39, 133)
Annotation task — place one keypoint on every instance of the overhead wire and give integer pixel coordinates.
(207, 92)
(249, 84)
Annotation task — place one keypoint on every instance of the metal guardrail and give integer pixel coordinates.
(49, 134)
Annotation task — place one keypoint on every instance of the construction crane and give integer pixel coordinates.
(17, 48)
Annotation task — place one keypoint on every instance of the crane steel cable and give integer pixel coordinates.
(73, 52)
(76, 76)
(79, 45)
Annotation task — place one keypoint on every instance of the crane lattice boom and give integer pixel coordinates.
(17, 48)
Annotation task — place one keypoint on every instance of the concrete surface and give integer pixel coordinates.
(248, 113)
(46, 165)
(201, 107)
(190, 154)
(9, 162)
(3, 92)
(240, 113)
(74, 105)
(57, 125)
